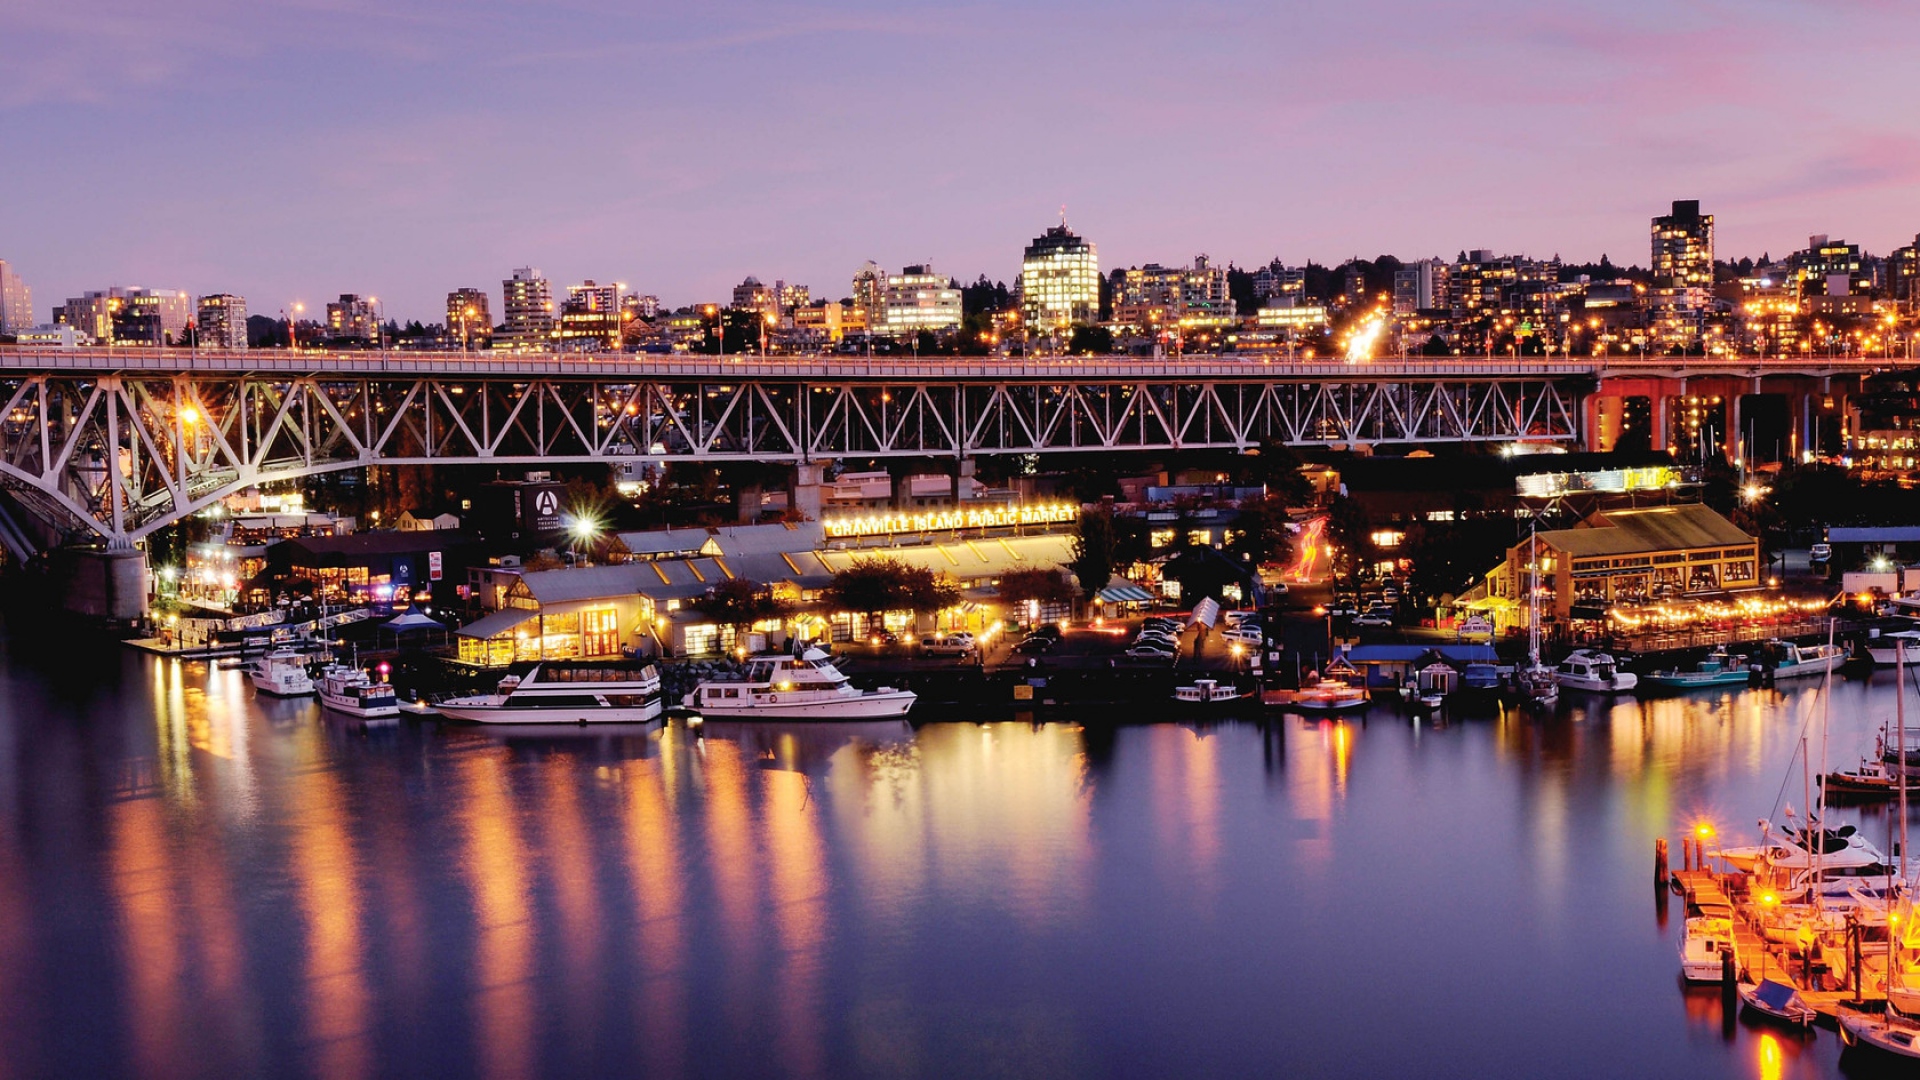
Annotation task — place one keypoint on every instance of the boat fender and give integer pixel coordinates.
(773, 699)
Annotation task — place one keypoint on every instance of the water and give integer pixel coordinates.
(198, 882)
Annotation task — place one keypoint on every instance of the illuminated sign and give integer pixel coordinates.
(1606, 481)
(981, 517)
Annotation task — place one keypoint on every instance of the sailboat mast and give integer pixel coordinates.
(1900, 718)
(1813, 843)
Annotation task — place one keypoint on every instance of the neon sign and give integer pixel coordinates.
(981, 517)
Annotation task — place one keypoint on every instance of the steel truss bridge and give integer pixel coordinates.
(115, 444)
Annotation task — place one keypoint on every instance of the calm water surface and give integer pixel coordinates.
(195, 881)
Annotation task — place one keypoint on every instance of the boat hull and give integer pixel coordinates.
(869, 706)
(510, 714)
(1661, 680)
(354, 708)
(287, 688)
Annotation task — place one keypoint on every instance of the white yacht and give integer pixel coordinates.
(1208, 692)
(282, 673)
(352, 691)
(1700, 947)
(566, 693)
(1843, 853)
(1885, 649)
(804, 687)
(1584, 669)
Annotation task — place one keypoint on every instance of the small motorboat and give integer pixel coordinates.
(1328, 695)
(1872, 780)
(1884, 650)
(1536, 686)
(1700, 948)
(1586, 669)
(1208, 692)
(1718, 669)
(1777, 1001)
(1880, 1025)
(1786, 660)
(282, 673)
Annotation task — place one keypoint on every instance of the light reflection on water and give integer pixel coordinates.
(198, 882)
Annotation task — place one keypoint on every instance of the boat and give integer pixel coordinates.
(1480, 678)
(1587, 669)
(350, 690)
(566, 693)
(1778, 1001)
(1706, 935)
(1879, 1025)
(1874, 779)
(808, 686)
(1884, 650)
(282, 673)
(1840, 851)
(1717, 669)
(1208, 692)
(1534, 682)
(1330, 695)
(1786, 660)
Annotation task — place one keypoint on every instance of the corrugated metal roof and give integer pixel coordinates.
(495, 624)
(586, 582)
(1874, 534)
(1654, 528)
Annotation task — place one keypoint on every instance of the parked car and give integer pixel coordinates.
(1343, 607)
(1034, 645)
(1374, 616)
(952, 645)
(1157, 639)
(1246, 635)
(1234, 618)
(1051, 630)
(1163, 624)
(883, 637)
(1820, 553)
(1148, 650)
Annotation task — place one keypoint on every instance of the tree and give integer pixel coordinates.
(1261, 533)
(1090, 341)
(876, 586)
(1048, 586)
(739, 603)
(1351, 533)
(1095, 546)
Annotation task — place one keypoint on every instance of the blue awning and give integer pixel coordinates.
(1125, 594)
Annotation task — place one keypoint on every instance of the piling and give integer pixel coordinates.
(1660, 863)
(1729, 984)
(1686, 854)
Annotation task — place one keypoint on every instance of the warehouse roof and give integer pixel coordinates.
(1654, 528)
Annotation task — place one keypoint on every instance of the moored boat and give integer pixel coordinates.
(1884, 650)
(1777, 1001)
(350, 690)
(566, 693)
(1329, 695)
(1879, 1025)
(805, 687)
(1208, 692)
(1597, 672)
(1786, 660)
(1700, 946)
(282, 673)
(1717, 669)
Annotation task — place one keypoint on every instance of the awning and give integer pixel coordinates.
(1490, 603)
(496, 624)
(1125, 594)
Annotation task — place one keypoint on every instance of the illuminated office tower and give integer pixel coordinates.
(1059, 282)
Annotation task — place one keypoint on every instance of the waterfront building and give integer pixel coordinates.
(469, 321)
(222, 322)
(1629, 557)
(352, 318)
(528, 308)
(51, 335)
(1303, 317)
(16, 301)
(1059, 282)
(1164, 296)
(376, 566)
(918, 299)
(590, 320)
(1682, 292)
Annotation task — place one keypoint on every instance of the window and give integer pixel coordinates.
(600, 632)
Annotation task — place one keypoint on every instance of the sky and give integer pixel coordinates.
(292, 151)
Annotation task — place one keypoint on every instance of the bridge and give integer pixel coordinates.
(113, 444)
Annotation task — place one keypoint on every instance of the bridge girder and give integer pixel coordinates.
(121, 455)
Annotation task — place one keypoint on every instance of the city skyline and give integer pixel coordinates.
(395, 156)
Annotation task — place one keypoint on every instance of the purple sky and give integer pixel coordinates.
(402, 148)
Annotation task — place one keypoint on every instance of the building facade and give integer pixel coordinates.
(1682, 291)
(1059, 282)
(16, 301)
(918, 299)
(352, 318)
(591, 317)
(1827, 268)
(469, 321)
(128, 315)
(750, 295)
(1630, 557)
(1159, 295)
(528, 310)
(1419, 286)
(222, 322)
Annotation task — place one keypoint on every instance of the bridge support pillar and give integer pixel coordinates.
(106, 586)
(804, 494)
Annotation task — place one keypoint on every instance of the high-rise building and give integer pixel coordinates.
(1682, 289)
(918, 299)
(591, 317)
(1166, 296)
(791, 298)
(1827, 268)
(750, 295)
(468, 321)
(1276, 285)
(352, 318)
(1903, 274)
(1059, 281)
(16, 301)
(128, 315)
(222, 322)
(869, 293)
(1419, 286)
(529, 311)
(642, 306)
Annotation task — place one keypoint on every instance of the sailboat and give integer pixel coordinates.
(1536, 682)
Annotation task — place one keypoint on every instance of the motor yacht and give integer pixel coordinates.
(1208, 692)
(282, 673)
(804, 687)
(1329, 695)
(350, 690)
(1786, 660)
(1585, 669)
(1718, 669)
(566, 693)
(1706, 935)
